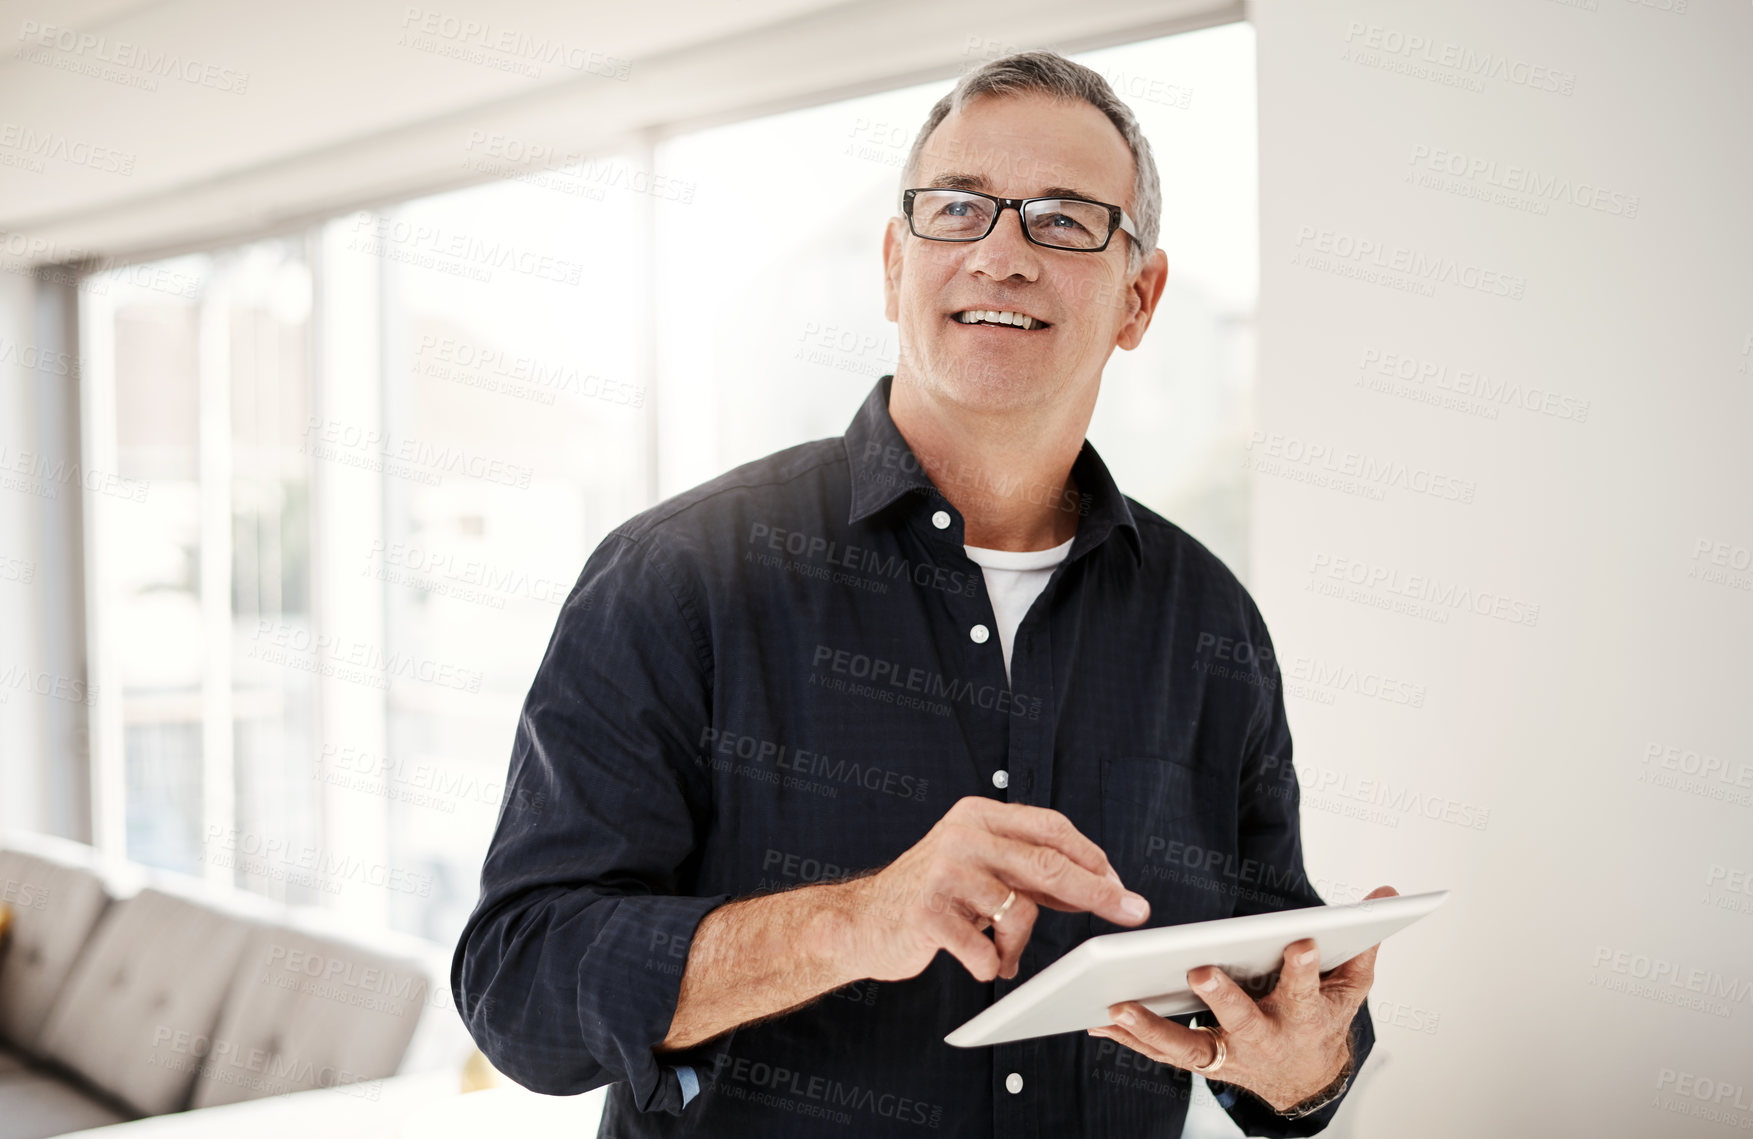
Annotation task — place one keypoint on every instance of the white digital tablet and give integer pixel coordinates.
(1150, 965)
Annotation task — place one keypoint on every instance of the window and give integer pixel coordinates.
(787, 348)
(522, 367)
(375, 455)
(206, 546)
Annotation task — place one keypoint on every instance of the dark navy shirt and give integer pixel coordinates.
(786, 676)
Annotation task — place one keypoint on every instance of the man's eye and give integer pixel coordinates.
(1062, 221)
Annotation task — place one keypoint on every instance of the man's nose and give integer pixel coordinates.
(1005, 252)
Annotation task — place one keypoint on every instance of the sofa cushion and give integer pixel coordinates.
(54, 907)
(36, 1104)
(137, 1015)
(307, 1011)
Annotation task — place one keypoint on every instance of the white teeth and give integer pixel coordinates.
(998, 317)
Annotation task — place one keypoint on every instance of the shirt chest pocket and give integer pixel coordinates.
(1158, 829)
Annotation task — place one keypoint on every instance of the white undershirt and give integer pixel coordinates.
(1014, 578)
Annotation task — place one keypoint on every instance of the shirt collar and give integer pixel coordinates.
(884, 468)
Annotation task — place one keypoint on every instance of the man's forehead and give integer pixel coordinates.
(1028, 145)
(966, 180)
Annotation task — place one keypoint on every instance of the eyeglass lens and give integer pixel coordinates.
(951, 215)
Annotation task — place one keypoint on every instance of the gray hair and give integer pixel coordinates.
(1049, 73)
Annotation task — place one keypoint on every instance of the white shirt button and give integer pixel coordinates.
(1001, 779)
(979, 633)
(1013, 1083)
(941, 520)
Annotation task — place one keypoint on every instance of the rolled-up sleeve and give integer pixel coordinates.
(568, 970)
(1270, 839)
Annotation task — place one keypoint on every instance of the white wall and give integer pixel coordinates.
(22, 802)
(44, 695)
(1592, 973)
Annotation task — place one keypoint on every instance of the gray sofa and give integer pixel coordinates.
(127, 993)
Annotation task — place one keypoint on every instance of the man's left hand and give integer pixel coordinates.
(1284, 1048)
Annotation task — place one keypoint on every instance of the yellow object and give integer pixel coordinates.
(479, 1074)
(5, 919)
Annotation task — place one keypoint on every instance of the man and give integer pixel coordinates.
(804, 726)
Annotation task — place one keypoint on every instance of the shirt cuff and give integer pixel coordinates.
(629, 983)
(690, 1082)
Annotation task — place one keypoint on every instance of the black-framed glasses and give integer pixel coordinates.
(1076, 224)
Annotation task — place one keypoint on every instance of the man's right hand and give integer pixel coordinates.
(940, 893)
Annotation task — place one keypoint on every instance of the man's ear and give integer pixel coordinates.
(1146, 291)
(892, 247)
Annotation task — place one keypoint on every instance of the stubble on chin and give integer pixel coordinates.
(949, 377)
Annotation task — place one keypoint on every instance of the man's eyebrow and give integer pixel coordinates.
(955, 180)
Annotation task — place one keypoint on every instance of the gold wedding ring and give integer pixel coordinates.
(1223, 1050)
(1004, 909)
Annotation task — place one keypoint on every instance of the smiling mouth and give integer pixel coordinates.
(999, 318)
